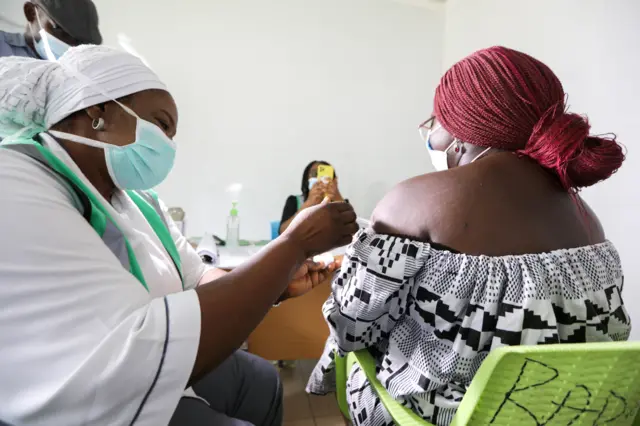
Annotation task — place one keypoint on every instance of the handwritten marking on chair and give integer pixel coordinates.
(536, 374)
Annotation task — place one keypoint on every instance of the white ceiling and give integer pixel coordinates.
(11, 17)
(427, 4)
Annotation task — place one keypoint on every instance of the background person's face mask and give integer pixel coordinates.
(143, 164)
(56, 46)
(312, 182)
(48, 47)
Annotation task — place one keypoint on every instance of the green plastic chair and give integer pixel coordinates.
(553, 385)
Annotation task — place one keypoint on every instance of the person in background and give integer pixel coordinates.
(313, 192)
(494, 249)
(67, 23)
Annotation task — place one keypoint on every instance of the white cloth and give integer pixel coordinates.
(430, 317)
(83, 342)
(38, 94)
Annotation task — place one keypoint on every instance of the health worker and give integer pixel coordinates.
(109, 317)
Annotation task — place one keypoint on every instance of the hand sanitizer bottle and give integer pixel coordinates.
(233, 227)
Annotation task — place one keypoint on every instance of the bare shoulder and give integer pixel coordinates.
(595, 226)
(447, 207)
(500, 205)
(415, 206)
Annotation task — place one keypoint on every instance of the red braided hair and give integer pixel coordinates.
(502, 98)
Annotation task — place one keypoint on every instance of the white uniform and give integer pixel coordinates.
(83, 342)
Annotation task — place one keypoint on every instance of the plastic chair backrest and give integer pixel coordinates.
(555, 385)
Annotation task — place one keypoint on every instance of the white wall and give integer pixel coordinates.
(592, 45)
(11, 15)
(264, 87)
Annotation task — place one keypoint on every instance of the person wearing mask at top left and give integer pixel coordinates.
(314, 190)
(67, 23)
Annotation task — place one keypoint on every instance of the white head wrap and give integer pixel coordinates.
(36, 94)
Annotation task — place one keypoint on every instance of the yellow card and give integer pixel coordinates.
(325, 173)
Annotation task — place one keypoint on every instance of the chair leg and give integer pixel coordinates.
(347, 422)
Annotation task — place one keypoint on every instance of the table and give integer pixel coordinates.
(292, 331)
(232, 258)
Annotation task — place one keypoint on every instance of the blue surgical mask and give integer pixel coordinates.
(48, 47)
(57, 46)
(143, 164)
(312, 182)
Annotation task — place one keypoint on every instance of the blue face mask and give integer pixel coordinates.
(312, 181)
(143, 164)
(48, 47)
(57, 46)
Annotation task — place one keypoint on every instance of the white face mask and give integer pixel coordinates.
(440, 159)
(312, 182)
(49, 47)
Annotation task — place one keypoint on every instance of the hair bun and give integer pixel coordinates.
(561, 143)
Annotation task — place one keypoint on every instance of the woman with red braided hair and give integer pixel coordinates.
(494, 249)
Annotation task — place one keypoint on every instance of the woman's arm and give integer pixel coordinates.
(284, 225)
(289, 212)
(270, 264)
(212, 274)
(317, 194)
(240, 299)
(244, 296)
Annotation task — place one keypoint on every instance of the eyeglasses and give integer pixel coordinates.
(425, 127)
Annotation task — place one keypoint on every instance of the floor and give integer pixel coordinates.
(301, 409)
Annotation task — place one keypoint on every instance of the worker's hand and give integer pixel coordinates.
(308, 277)
(316, 195)
(322, 228)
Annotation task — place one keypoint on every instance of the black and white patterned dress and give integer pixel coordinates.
(430, 316)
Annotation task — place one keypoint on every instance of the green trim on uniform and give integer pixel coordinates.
(99, 214)
(158, 225)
